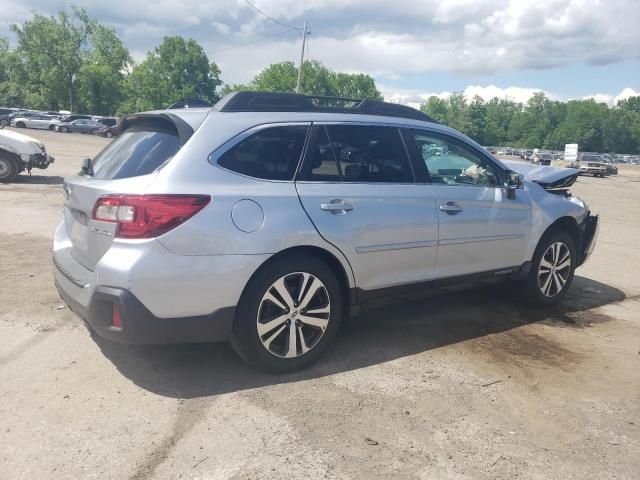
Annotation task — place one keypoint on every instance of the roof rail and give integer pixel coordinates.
(247, 101)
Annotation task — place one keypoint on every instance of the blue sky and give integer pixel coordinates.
(414, 48)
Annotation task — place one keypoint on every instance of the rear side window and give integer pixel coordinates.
(135, 153)
(270, 154)
(370, 154)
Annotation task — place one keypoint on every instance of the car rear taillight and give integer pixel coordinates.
(147, 216)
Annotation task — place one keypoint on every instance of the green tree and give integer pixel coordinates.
(11, 93)
(175, 69)
(100, 79)
(316, 80)
(436, 108)
(51, 50)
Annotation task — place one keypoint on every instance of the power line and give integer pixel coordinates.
(269, 17)
(251, 42)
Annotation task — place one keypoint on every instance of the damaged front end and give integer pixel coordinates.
(552, 179)
(588, 230)
(36, 160)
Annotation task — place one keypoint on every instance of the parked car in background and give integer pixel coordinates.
(542, 159)
(20, 152)
(5, 117)
(109, 132)
(107, 121)
(80, 126)
(291, 216)
(592, 165)
(74, 116)
(43, 122)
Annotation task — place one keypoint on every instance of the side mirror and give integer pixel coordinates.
(87, 167)
(513, 182)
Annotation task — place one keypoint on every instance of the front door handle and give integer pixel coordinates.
(450, 208)
(337, 207)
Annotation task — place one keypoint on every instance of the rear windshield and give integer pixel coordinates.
(135, 152)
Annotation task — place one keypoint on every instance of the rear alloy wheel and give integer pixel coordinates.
(288, 314)
(4, 123)
(109, 134)
(293, 315)
(8, 169)
(94, 132)
(552, 269)
(64, 130)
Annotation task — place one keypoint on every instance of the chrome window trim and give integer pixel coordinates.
(232, 142)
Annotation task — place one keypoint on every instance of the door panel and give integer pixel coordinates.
(389, 234)
(489, 232)
(480, 229)
(357, 187)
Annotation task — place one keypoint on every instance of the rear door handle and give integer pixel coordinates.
(337, 207)
(450, 208)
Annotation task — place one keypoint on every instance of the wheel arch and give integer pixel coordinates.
(566, 224)
(324, 255)
(9, 154)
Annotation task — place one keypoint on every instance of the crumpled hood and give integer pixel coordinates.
(19, 143)
(549, 178)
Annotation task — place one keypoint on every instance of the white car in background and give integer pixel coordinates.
(43, 122)
(20, 152)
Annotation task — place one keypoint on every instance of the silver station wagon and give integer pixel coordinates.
(268, 218)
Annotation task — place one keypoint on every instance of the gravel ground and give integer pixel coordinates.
(464, 385)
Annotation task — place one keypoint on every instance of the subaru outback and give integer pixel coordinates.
(268, 218)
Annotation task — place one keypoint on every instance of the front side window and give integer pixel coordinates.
(270, 154)
(449, 162)
(369, 154)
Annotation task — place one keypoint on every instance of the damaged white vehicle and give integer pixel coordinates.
(20, 152)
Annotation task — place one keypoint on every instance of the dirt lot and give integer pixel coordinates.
(468, 385)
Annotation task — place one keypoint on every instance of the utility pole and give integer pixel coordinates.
(304, 40)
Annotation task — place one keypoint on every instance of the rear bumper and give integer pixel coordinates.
(139, 325)
(589, 230)
(162, 297)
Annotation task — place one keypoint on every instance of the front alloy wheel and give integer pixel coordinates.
(552, 269)
(555, 269)
(293, 315)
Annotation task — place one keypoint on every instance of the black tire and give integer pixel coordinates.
(245, 339)
(52, 128)
(8, 169)
(3, 123)
(20, 125)
(535, 282)
(64, 130)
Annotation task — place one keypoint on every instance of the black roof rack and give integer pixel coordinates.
(293, 102)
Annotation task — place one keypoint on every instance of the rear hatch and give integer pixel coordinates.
(127, 165)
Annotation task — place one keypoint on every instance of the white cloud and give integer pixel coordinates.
(378, 37)
(516, 94)
(221, 28)
(612, 100)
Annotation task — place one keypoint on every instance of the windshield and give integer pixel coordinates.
(135, 153)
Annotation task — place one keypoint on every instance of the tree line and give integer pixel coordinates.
(542, 122)
(72, 62)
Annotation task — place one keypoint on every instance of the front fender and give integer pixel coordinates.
(549, 207)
